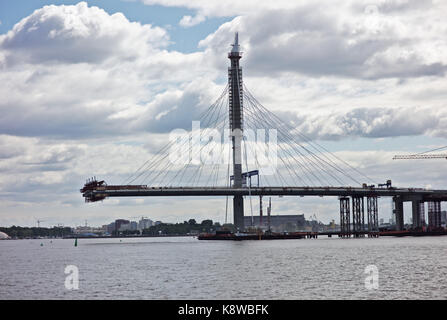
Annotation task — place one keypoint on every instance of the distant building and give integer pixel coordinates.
(119, 223)
(157, 223)
(124, 227)
(88, 230)
(145, 224)
(111, 227)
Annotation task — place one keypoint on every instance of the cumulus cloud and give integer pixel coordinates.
(189, 21)
(76, 34)
(338, 39)
(371, 123)
(78, 71)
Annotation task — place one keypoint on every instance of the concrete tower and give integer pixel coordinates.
(236, 127)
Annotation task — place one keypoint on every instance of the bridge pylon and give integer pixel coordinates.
(235, 92)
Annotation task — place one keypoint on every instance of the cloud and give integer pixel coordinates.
(321, 39)
(76, 71)
(76, 34)
(372, 123)
(189, 21)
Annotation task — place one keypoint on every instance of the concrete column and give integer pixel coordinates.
(416, 215)
(238, 212)
(399, 212)
(434, 215)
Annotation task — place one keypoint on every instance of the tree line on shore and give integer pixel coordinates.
(185, 228)
(34, 232)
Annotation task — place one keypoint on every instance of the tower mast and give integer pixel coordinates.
(236, 127)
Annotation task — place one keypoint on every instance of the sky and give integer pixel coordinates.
(93, 88)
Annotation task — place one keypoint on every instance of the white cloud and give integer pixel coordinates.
(189, 21)
(78, 71)
(76, 34)
(339, 40)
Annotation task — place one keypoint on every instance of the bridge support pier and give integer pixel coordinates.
(434, 215)
(398, 209)
(345, 212)
(422, 213)
(358, 216)
(418, 213)
(238, 213)
(373, 214)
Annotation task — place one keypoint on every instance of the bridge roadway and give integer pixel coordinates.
(405, 194)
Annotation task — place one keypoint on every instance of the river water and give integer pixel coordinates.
(186, 268)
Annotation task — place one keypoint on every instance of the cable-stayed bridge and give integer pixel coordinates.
(237, 138)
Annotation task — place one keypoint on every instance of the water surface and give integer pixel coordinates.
(185, 268)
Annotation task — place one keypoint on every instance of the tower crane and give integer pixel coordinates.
(423, 155)
(39, 222)
(420, 156)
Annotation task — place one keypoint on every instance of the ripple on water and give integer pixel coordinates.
(185, 268)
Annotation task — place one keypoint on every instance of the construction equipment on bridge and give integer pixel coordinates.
(246, 178)
(434, 207)
(388, 184)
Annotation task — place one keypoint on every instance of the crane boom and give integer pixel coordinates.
(420, 156)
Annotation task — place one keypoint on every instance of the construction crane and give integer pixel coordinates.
(422, 155)
(38, 222)
(141, 217)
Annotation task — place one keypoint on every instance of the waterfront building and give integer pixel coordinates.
(145, 224)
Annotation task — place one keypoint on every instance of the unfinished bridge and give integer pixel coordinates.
(227, 148)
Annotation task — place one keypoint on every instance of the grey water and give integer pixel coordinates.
(186, 268)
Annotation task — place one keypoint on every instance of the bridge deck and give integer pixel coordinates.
(407, 194)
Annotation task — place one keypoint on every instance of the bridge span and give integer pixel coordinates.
(348, 197)
(299, 161)
(405, 194)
